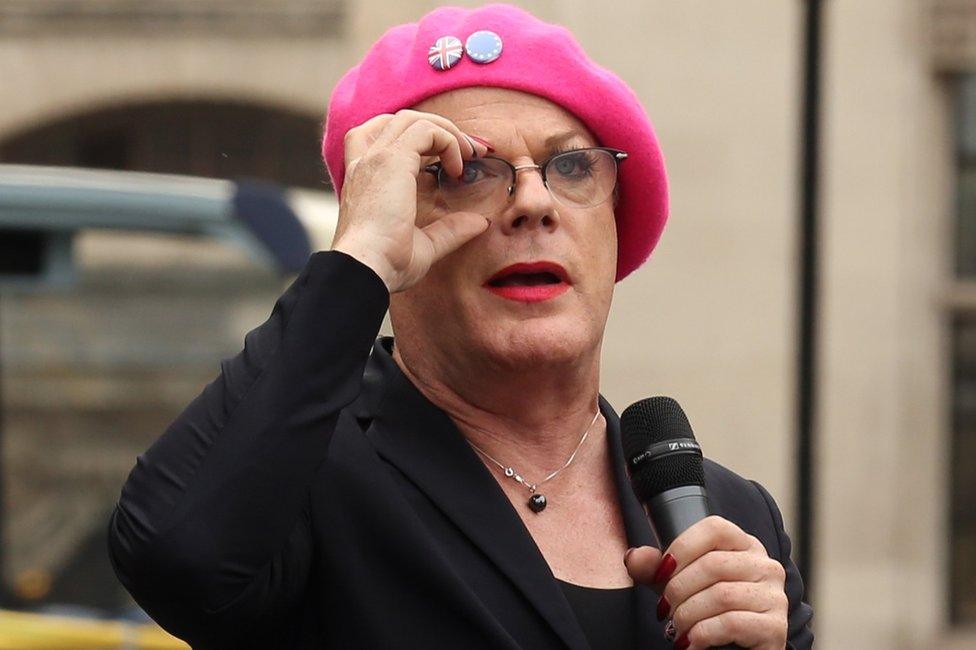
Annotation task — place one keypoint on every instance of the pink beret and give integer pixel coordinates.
(535, 57)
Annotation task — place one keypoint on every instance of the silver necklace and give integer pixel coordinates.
(537, 502)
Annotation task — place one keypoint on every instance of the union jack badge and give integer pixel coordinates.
(445, 53)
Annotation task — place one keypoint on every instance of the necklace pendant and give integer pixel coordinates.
(537, 503)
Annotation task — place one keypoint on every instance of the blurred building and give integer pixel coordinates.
(228, 89)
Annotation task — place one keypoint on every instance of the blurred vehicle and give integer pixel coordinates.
(41, 209)
(61, 594)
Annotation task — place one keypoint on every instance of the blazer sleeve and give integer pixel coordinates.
(799, 633)
(211, 533)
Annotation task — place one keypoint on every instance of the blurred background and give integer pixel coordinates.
(812, 302)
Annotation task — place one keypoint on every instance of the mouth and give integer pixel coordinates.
(529, 282)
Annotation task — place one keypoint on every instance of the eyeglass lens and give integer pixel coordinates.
(581, 178)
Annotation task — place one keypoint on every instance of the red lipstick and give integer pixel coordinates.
(529, 282)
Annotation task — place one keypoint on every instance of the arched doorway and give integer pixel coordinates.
(217, 139)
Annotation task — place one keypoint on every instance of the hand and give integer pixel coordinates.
(718, 585)
(384, 157)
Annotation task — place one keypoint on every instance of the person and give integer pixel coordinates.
(461, 484)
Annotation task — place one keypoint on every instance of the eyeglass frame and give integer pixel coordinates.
(618, 156)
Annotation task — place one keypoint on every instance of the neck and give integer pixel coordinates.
(533, 415)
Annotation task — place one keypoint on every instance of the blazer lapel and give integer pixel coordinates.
(424, 443)
(636, 523)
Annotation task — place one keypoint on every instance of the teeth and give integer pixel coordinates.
(526, 280)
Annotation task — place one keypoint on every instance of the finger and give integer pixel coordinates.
(722, 566)
(385, 127)
(744, 629)
(710, 534)
(450, 232)
(722, 597)
(405, 117)
(423, 138)
(642, 564)
(359, 138)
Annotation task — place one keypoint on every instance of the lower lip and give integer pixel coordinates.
(535, 293)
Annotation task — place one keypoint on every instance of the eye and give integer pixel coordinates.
(574, 164)
(475, 172)
(470, 173)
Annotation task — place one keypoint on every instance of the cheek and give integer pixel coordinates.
(429, 205)
(441, 291)
(612, 246)
(601, 246)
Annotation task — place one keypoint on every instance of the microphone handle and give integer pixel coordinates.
(674, 511)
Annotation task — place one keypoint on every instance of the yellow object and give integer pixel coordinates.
(21, 631)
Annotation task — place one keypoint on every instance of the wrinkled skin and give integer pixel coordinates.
(448, 325)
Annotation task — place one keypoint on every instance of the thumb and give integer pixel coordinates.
(642, 563)
(453, 230)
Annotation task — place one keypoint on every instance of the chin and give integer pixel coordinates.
(538, 343)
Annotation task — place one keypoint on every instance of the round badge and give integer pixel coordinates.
(483, 46)
(445, 53)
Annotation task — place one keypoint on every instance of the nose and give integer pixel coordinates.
(531, 206)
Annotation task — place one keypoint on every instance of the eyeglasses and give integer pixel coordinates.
(578, 178)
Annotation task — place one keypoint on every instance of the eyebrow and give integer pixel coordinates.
(554, 140)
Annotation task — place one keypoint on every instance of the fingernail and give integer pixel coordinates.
(682, 642)
(474, 149)
(663, 607)
(491, 149)
(665, 569)
(627, 554)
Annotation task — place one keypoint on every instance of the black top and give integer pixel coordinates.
(311, 497)
(608, 616)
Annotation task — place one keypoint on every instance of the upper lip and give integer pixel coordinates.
(532, 267)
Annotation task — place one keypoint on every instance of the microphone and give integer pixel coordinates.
(665, 465)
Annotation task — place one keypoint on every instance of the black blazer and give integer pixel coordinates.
(312, 497)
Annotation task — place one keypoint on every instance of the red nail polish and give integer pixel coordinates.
(491, 149)
(665, 569)
(663, 607)
(682, 642)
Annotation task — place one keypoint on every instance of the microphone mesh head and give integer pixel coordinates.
(653, 420)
